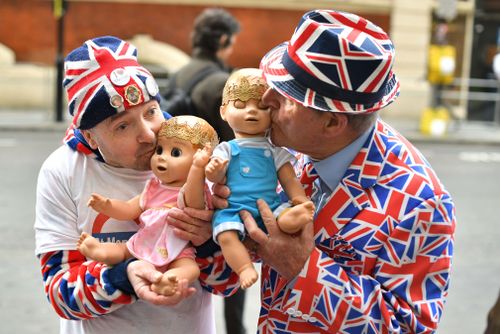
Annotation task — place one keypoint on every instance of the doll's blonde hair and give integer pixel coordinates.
(190, 128)
(244, 84)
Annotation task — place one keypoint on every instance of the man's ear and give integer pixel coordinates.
(89, 137)
(335, 123)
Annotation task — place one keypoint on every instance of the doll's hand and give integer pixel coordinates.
(202, 156)
(98, 203)
(142, 275)
(191, 224)
(216, 170)
(273, 246)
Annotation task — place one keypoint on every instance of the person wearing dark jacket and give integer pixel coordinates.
(212, 40)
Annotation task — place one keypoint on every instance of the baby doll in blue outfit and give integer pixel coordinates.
(252, 167)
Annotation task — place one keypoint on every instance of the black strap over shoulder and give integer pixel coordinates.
(177, 101)
(199, 76)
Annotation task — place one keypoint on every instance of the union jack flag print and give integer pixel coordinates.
(335, 61)
(79, 289)
(103, 75)
(384, 243)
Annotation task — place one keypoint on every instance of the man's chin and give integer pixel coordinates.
(275, 139)
(143, 165)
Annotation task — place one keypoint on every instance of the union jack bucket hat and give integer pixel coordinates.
(103, 78)
(335, 61)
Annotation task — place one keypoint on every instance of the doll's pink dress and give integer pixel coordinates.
(155, 241)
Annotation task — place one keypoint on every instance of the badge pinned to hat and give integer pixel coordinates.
(335, 61)
(103, 78)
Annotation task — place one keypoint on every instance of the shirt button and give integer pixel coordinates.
(312, 319)
(305, 317)
(290, 311)
(298, 313)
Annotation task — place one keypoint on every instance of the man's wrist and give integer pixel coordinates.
(118, 277)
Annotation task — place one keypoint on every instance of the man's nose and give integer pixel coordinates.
(146, 133)
(269, 99)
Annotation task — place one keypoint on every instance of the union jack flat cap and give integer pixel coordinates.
(103, 78)
(335, 61)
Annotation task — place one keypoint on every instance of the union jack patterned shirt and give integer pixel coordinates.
(384, 243)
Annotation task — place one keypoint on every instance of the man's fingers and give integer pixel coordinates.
(203, 215)
(146, 294)
(151, 276)
(307, 233)
(267, 216)
(253, 230)
(221, 190)
(183, 234)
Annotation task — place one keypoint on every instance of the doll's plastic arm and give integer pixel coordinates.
(114, 208)
(194, 194)
(216, 170)
(290, 184)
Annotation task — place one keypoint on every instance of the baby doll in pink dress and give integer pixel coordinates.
(184, 147)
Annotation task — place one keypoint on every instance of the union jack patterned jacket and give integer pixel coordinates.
(384, 243)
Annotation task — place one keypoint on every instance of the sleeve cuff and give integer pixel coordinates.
(118, 277)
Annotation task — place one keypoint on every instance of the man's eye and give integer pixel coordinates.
(121, 127)
(152, 111)
(176, 152)
(159, 150)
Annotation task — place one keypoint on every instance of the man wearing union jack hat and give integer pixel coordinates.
(114, 102)
(377, 258)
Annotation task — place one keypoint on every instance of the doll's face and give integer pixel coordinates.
(247, 119)
(172, 159)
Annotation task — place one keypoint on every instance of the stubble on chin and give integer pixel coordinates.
(143, 159)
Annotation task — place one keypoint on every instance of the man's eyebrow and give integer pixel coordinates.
(115, 117)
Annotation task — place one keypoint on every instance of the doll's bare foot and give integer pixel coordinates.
(293, 219)
(90, 247)
(248, 276)
(167, 286)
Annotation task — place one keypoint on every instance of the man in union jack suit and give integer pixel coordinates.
(377, 257)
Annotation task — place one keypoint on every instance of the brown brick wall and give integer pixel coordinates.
(29, 27)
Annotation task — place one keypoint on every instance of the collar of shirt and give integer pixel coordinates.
(331, 169)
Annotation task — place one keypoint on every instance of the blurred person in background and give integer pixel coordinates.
(212, 38)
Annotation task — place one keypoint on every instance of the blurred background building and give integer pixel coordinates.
(445, 48)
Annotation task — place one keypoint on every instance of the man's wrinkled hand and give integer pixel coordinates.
(191, 224)
(142, 275)
(286, 253)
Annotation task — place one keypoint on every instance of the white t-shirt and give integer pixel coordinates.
(65, 182)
